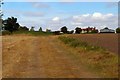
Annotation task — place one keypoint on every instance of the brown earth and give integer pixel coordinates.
(107, 41)
(39, 57)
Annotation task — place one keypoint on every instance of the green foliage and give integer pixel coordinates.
(48, 30)
(64, 29)
(94, 31)
(78, 30)
(118, 30)
(56, 32)
(32, 29)
(77, 43)
(34, 33)
(70, 32)
(23, 28)
(40, 29)
(6, 33)
(11, 24)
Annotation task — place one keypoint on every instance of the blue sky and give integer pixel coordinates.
(53, 15)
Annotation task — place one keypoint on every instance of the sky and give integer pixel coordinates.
(54, 15)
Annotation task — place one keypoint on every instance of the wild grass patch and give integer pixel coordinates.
(78, 43)
(94, 58)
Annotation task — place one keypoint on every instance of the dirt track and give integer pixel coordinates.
(39, 57)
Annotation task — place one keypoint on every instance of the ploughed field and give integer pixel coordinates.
(107, 41)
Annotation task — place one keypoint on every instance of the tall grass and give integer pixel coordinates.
(94, 58)
(34, 33)
(78, 43)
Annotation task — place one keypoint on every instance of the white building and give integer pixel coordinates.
(107, 30)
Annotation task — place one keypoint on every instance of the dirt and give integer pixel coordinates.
(107, 41)
(39, 57)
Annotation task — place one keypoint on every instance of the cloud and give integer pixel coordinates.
(33, 14)
(40, 5)
(38, 19)
(96, 19)
(56, 19)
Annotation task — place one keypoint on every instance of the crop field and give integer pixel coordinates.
(107, 41)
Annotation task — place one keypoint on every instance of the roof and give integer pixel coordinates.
(107, 30)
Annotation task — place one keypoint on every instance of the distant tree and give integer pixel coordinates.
(64, 29)
(78, 30)
(40, 29)
(70, 32)
(106, 28)
(94, 31)
(48, 30)
(32, 29)
(23, 28)
(57, 32)
(11, 24)
(118, 30)
(1, 24)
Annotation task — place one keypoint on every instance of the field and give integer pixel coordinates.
(27, 56)
(107, 41)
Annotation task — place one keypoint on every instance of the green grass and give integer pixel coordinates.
(34, 33)
(77, 43)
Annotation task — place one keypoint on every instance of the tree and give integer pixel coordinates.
(23, 28)
(32, 29)
(94, 31)
(48, 30)
(64, 29)
(1, 24)
(71, 32)
(118, 30)
(78, 30)
(11, 24)
(40, 29)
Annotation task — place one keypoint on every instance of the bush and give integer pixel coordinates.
(6, 33)
(94, 31)
(64, 29)
(118, 30)
(57, 32)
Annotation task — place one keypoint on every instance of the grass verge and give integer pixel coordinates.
(94, 58)
(33, 33)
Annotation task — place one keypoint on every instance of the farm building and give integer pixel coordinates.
(89, 30)
(107, 30)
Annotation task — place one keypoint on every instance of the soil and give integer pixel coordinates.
(39, 57)
(107, 41)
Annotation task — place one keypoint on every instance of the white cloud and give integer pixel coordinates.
(97, 15)
(96, 19)
(86, 15)
(56, 19)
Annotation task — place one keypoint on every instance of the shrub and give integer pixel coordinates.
(118, 30)
(57, 32)
(6, 33)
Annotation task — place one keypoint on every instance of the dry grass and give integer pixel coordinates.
(100, 61)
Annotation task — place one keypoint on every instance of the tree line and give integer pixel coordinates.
(12, 25)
